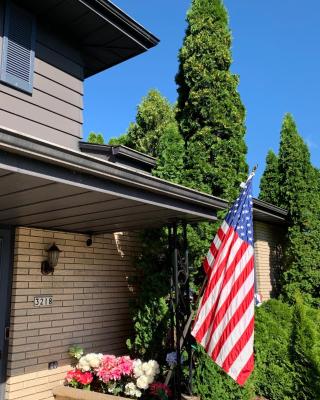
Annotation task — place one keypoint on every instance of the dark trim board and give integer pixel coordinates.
(42, 171)
(6, 268)
(46, 186)
(104, 34)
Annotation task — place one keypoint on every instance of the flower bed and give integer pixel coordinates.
(115, 376)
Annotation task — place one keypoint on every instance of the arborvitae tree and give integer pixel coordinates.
(156, 133)
(269, 184)
(210, 112)
(120, 140)
(96, 138)
(170, 162)
(211, 119)
(306, 347)
(154, 114)
(299, 194)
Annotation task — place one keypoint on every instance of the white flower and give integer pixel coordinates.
(137, 393)
(137, 368)
(154, 367)
(131, 390)
(91, 360)
(94, 359)
(147, 369)
(142, 382)
(83, 364)
(150, 378)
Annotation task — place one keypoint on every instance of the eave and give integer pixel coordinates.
(47, 186)
(103, 33)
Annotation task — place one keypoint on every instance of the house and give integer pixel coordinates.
(87, 200)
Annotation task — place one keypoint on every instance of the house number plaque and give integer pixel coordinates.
(43, 301)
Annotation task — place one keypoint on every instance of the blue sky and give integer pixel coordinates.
(275, 52)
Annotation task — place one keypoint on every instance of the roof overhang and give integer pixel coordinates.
(51, 187)
(104, 34)
(266, 212)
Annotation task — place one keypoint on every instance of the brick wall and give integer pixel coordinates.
(90, 292)
(268, 253)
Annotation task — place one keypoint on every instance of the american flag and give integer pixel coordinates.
(224, 323)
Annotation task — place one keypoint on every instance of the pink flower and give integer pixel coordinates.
(109, 361)
(114, 368)
(116, 373)
(126, 365)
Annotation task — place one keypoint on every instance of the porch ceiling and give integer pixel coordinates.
(50, 187)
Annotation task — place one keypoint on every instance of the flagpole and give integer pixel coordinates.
(192, 313)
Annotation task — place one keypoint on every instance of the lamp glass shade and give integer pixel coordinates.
(53, 255)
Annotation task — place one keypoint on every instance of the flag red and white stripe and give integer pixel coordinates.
(224, 324)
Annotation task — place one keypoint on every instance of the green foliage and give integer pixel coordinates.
(170, 163)
(95, 138)
(150, 311)
(76, 351)
(291, 182)
(269, 184)
(211, 383)
(210, 112)
(287, 351)
(154, 114)
(295, 171)
(274, 373)
(287, 357)
(156, 133)
(117, 141)
(306, 344)
(299, 194)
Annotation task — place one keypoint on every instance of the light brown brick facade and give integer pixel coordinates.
(268, 252)
(90, 290)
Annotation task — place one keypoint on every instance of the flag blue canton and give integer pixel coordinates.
(240, 214)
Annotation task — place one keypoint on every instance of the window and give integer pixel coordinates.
(17, 59)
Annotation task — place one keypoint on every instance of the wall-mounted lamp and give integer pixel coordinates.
(47, 266)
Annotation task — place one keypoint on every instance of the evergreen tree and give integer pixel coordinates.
(269, 184)
(170, 163)
(117, 141)
(299, 194)
(211, 119)
(96, 138)
(306, 347)
(156, 133)
(154, 114)
(210, 112)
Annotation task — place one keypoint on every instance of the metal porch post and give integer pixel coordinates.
(187, 306)
(177, 312)
(180, 304)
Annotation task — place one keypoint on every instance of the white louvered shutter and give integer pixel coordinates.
(17, 62)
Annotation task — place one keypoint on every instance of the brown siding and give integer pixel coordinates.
(54, 110)
(90, 307)
(268, 253)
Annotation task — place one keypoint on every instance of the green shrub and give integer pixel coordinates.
(151, 315)
(274, 373)
(306, 347)
(287, 351)
(211, 383)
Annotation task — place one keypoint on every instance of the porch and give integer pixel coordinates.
(52, 194)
